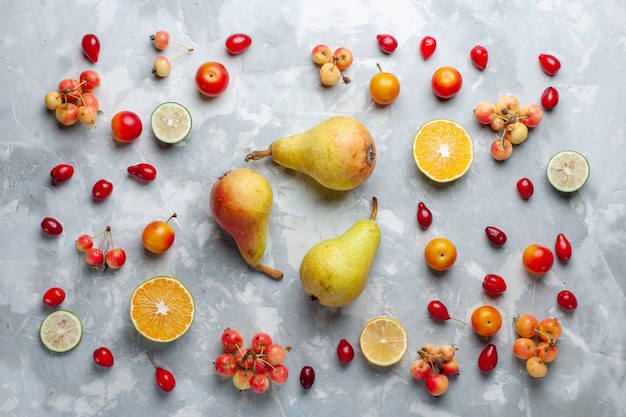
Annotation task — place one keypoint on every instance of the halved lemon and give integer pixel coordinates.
(567, 171)
(443, 150)
(61, 331)
(162, 309)
(170, 122)
(383, 341)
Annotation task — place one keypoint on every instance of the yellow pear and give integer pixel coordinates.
(339, 153)
(334, 272)
(241, 203)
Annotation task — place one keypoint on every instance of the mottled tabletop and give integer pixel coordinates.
(275, 91)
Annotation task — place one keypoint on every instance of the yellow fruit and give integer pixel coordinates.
(162, 309)
(383, 341)
(443, 150)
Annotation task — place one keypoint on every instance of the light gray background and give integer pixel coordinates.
(275, 91)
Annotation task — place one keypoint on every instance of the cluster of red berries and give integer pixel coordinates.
(105, 252)
(74, 99)
(434, 367)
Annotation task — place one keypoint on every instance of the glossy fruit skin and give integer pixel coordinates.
(387, 43)
(537, 259)
(563, 248)
(51, 226)
(567, 300)
(307, 377)
(479, 56)
(488, 358)
(424, 215)
(61, 173)
(446, 82)
(54, 296)
(384, 88)
(496, 236)
(440, 254)
(103, 357)
(90, 45)
(212, 79)
(345, 351)
(126, 126)
(428, 45)
(549, 63)
(238, 43)
(143, 171)
(550, 98)
(525, 188)
(486, 321)
(438, 310)
(494, 284)
(165, 379)
(101, 189)
(158, 236)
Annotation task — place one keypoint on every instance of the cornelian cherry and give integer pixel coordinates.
(439, 311)
(164, 378)
(567, 300)
(101, 189)
(563, 248)
(54, 296)
(345, 351)
(238, 43)
(550, 98)
(488, 358)
(61, 173)
(307, 377)
(103, 357)
(424, 215)
(91, 47)
(525, 188)
(479, 56)
(142, 171)
(428, 46)
(494, 284)
(51, 226)
(496, 236)
(549, 63)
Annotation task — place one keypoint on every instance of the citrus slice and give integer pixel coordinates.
(61, 331)
(443, 150)
(567, 171)
(383, 341)
(162, 309)
(170, 122)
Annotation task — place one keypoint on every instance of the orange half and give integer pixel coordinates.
(162, 309)
(443, 150)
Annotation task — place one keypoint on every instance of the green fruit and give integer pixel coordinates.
(61, 331)
(567, 171)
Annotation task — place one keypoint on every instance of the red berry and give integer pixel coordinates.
(488, 358)
(165, 379)
(307, 377)
(525, 188)
(101, 189)
(142, 171)
(496, 236)
(428, 46)
(479, 56)
(567, 300)
(103, 357)
(238, 43)
(549, 63)
(550, 98)
(61, 173)
(494, 284)
(91, 47)
(54, 296)
(424, 216)
(438, 310)
(51, 226)
(387, 43)
(345, 351)
(563, 248)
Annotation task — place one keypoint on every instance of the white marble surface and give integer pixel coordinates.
(275, 91)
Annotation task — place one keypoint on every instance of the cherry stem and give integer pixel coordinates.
(183, 54)
(171, 217)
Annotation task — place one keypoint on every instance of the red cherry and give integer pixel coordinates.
(91, 47)
(51, 226)
(549, 63)
(567, 300)
(488, 358)
(165, 379)
(439, 311)
(494, 284)
(387, 43)
(563, 248)
(496, 236)
(101, 189)
(525, 188)
(103, 357)
(142, 171)
(479, 56)
(550, 98)
(424, 216)
(54, 296)
(345, 351)
(61, 173)
(238, 43)
(307, 377)
(428, 46)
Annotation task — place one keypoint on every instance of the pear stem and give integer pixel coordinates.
(374, 208)
(273, 273)
(255, 155)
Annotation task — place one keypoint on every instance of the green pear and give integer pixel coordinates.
(339, 153)
(334, 272)
(241, 203)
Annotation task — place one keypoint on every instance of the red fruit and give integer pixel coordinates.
(51, 226)
(488, 358)
(91, 47)
(165, 379)
(237, 43)
(307, 377)
(61, 173)
(567, 300)
(496, 236)
(549, 63)
(103, 357)
(345, 351)
(387, 43)
(424, 216)
(54, 296)
(101, 189)
(550, 98)
(525, 188)
(439, 311)
(479, 56)
(537, 259)
(494, 284)
(562, 248)
(126, 126)
(428, 46)
(142, 171)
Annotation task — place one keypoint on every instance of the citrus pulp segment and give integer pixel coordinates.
(567, 171)
(443, 150)
(61, 331)
(383, 341)
(170, 122)
(162, 309)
